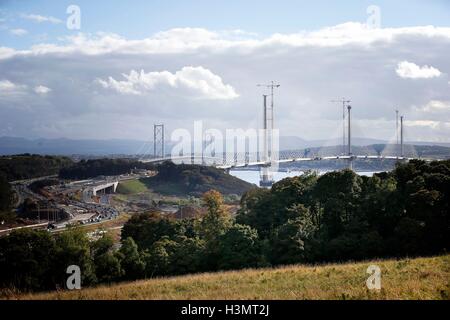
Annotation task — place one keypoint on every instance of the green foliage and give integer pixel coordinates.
(28, 166)
(266, 210)
(187, 256)
(27, 259)
(6, 194)
(73, 248)
(335, 217)
(158, 257)
(290, 241)
(404, 212)
(239, 248)
(131, 260)
(147, 228)
(131, 187)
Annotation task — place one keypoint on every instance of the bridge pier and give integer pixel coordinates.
(266, 180)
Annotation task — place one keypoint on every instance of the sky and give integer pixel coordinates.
(130, 64)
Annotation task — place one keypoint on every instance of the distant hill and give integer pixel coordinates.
(28, 166)
(13, 145)
(409, 150)
(10, 145)
(194, 180)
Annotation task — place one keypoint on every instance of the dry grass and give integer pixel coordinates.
(421, 278)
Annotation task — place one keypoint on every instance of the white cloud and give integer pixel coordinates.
(409, 70)
(18, 32)
(6, 52)
(313, 68)
(11, 89)
(42, 90)
(436, 106)
(423, 123)
(38, 18)
(188, 40)
(6, 85)
(196, 82)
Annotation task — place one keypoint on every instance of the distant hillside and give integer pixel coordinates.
(28, 166)
(194, 180)
(13, 145)
(411, 151)
(405, 279)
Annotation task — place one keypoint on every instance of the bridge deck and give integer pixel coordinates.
(218, 162)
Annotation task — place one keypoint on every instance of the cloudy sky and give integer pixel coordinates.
(119, 67)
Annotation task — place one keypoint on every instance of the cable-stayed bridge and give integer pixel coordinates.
(267, 156)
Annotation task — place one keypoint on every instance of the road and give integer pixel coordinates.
(79, 212)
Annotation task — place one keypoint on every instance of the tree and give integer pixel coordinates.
(256, 211)
(73, 248)
(240, 248)
(338, 195)
(265, 210)
(157, 258)
(106, 261)
(147, 228)
(131, 260)
(290, 242)
(107, 267)
(213, 225)
(26, 260)
(216, 221)
(6, 194)
(187, 255)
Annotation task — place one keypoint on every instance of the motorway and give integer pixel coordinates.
(85, 211)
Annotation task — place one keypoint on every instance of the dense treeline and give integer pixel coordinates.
(86, 169)
(307, 219)
(38, 260)
(6, 199)
(28, 166)
(6, 194)
(342, 216)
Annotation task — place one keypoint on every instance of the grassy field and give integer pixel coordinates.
(131, 187)
(421, 278)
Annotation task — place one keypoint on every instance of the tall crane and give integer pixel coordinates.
(344, 104)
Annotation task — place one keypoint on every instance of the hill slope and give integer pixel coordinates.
(421, 278)
(183, 179)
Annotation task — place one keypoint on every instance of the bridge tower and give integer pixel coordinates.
(266, 175)
(401, 137)
(349, 109)
(344, 103)
(268, 143)
(158, 141)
